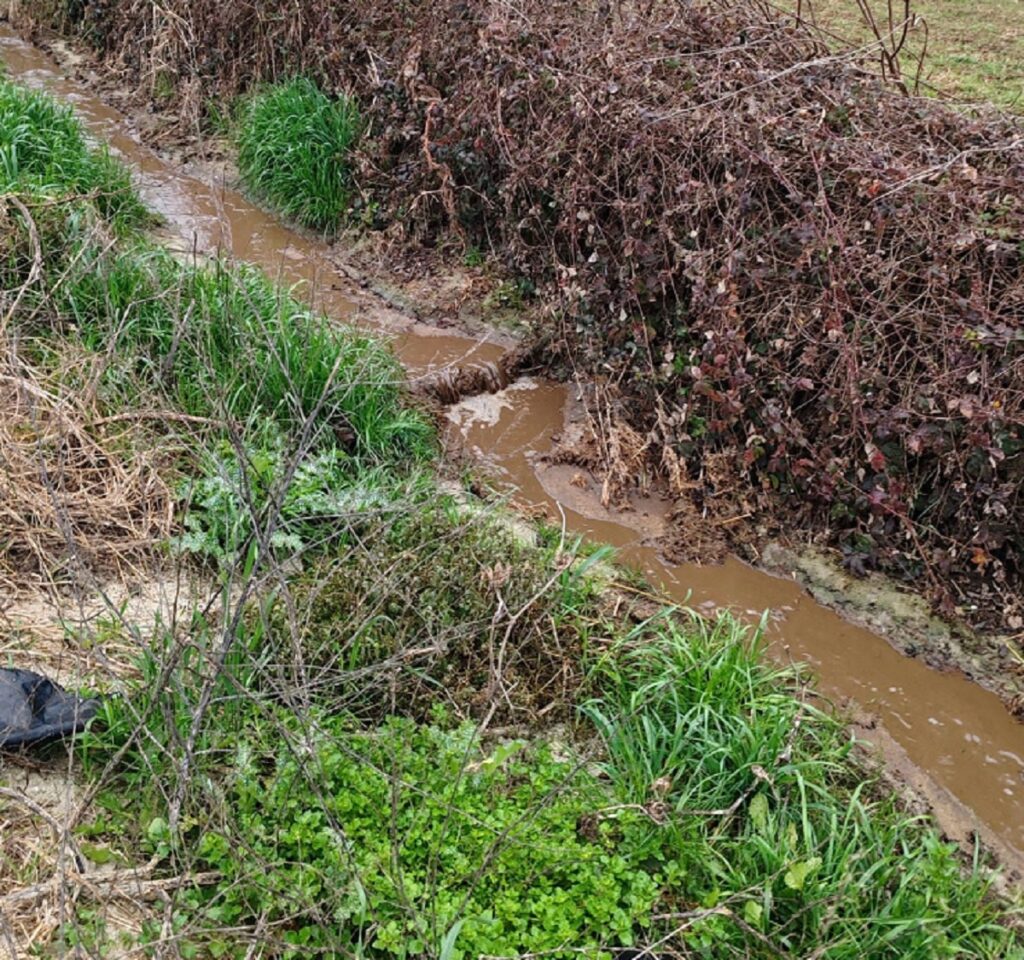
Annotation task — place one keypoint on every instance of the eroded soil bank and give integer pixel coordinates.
(968, 749)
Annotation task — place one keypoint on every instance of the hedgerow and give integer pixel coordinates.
(811, 280)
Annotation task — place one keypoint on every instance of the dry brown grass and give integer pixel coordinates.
(79, 495)
(49, 879)
(83, 508)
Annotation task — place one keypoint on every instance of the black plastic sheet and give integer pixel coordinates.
(35, 710)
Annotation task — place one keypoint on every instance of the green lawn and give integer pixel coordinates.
(975, 48)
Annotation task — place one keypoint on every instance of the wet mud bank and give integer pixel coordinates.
(961, 741)
(905, 619)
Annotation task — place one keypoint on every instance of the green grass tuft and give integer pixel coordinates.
(43, 151)
(293, 151)
(765, 814)
(224, 341)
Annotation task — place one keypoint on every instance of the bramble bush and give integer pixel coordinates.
(811, 282)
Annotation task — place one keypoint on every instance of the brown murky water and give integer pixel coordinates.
(952, 729)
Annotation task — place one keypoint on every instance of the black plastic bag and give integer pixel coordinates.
(35, 710)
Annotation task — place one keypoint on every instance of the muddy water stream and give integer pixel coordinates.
(968, 748)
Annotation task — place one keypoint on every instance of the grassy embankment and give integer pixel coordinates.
(352, 753)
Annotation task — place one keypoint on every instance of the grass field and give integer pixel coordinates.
(975, 48)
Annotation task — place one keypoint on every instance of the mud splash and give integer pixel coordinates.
(968, 750)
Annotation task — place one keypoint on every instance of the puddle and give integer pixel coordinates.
(953, 730)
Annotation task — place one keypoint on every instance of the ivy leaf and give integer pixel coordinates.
(97, 854)
(158, 830)
(752, 913)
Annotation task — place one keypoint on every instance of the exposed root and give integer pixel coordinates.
(455, 383)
